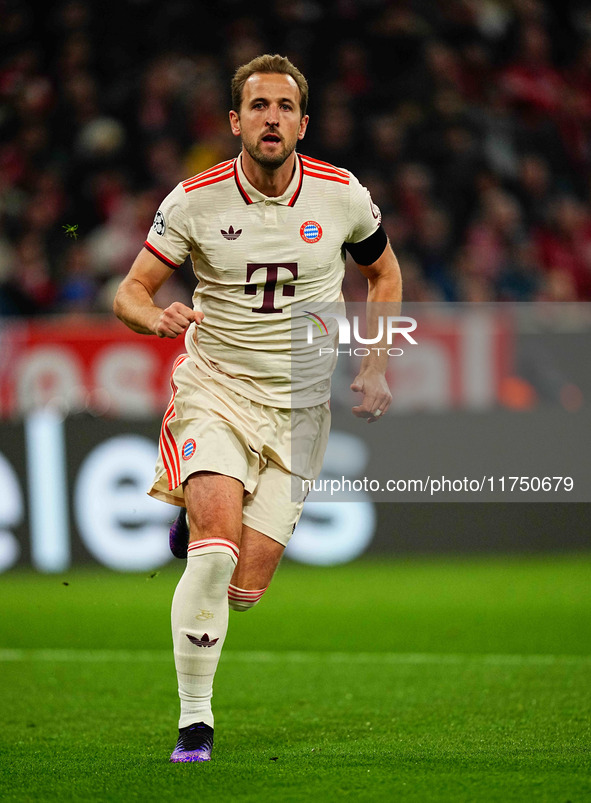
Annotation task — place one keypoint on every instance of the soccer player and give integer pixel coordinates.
(264, 230)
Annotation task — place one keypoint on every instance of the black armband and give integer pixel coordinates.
(369, 250)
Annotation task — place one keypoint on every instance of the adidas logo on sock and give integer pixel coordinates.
(204, 641)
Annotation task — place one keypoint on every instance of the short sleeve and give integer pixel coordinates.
(364, 216)
(168, 238)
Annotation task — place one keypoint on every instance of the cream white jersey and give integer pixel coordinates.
(258, 259)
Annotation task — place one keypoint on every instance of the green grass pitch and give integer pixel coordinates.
(456, 679)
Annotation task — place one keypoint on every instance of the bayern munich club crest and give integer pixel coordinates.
(188, 449)
(310, 231)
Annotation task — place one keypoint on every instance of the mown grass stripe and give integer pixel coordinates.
(165, 656)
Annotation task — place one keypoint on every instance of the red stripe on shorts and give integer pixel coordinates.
(168, 448)
(169, 451)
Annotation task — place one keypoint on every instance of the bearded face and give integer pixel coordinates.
(270, 122)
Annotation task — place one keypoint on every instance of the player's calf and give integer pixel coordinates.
(199, 624)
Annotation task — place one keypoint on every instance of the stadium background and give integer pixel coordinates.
(470, 122)
(447, 658)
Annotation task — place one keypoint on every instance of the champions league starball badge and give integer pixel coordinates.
(159, 225)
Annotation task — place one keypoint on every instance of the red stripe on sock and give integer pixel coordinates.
(244, 594)
(195, 546)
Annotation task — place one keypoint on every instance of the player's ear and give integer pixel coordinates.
(235, 123)
(303, 126)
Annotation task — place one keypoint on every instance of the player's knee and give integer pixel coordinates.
(242, 599)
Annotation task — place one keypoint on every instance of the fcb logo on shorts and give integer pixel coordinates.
(310, 231)
(188, 449)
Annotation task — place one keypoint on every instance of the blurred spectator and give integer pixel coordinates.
(519, 278)
(531, 81)
(28, 288)
(534, 189)
(564, 245)
(494, 233)
(77, 287)
(432, 246)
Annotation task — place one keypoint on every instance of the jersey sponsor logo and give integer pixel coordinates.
(159, 224)
(271, 279)
(231, 234)
(204, 641)
(188, 450)
(310, 231)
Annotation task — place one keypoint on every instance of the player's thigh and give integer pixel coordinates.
(214, 506)
(259, 558)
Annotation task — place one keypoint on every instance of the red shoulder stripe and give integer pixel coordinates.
(316, 164)
(206, 173)
(213, 180)
(327, 177)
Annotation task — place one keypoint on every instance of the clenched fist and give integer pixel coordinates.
(376, 395)
(175, 320)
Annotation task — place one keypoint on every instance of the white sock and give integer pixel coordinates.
(199, 624)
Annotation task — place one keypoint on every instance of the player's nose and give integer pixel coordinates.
(272, 116)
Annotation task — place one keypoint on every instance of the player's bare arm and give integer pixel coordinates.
(384, 286)
(134, 301)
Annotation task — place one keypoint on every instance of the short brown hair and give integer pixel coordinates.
(268, 64)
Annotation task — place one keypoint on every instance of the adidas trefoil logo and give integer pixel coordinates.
(231, 234)
(204, 641)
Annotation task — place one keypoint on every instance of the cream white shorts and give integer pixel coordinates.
(208, 427)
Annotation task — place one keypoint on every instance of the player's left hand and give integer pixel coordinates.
(376, 395)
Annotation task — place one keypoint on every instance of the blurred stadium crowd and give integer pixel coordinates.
(469, 120)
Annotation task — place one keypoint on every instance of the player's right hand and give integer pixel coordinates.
(176, 319)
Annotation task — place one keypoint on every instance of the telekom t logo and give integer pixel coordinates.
(272, 277)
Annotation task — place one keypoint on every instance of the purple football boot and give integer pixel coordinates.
(195, 744)
(178, 536)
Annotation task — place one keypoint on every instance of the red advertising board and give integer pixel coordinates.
(97, 364)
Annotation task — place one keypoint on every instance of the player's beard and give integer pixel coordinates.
(267, 161)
